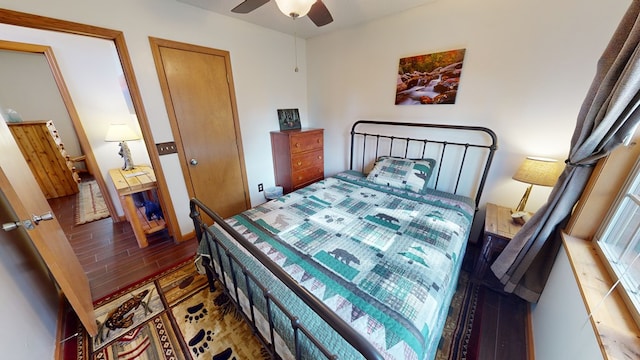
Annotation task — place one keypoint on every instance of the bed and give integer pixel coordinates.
(362, 264)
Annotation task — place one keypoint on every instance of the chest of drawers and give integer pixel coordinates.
(298, 157)
(44, 151)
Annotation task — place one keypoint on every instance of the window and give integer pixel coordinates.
(618, 241)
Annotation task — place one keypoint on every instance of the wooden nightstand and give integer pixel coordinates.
(129, 182)
(499, 229)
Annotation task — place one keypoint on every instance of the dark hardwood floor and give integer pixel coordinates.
(503, 327)
(109, 253)
(111, 258)
(501, 331)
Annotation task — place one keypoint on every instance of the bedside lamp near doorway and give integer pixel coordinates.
(122, 133)
(536, 171)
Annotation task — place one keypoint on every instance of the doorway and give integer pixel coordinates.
(81, 35)
(197, 85)
(103, 267)
(40, 94)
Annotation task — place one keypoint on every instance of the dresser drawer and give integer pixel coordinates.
(302, 142)
(301, 161)
(306, 176)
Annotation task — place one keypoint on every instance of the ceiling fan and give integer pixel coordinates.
(315, 9)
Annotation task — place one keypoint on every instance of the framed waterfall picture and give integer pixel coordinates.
(289, 119)
(429, 79)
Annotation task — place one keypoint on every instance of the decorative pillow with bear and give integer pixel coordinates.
(402, 173)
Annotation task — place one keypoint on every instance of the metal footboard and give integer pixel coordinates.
(300, 331)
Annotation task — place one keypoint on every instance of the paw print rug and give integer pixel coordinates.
(172, 316)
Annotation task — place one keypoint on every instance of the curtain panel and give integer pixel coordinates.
(608, 115)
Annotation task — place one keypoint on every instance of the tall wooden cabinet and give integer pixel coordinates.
(44, 151)
(298, 157)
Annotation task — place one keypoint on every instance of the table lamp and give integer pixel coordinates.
(536, 171)
(122, 133)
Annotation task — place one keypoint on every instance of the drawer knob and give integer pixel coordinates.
(297, 145)
(299, 163)
(319, 157)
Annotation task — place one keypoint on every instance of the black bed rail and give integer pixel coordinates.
(204, 233)
(407, 145)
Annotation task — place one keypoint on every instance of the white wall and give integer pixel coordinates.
(33, 93)
(527, 68)
(562, 328)
(262, 62)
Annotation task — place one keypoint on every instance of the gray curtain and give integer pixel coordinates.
(608, 115)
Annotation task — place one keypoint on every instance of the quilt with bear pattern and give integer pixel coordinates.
(385, 260)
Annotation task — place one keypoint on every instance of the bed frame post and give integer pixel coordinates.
(194, 214)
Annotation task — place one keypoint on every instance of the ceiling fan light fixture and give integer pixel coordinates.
(295, 8)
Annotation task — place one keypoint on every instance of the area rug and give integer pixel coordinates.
(462, 328)
(174, 316)
(90, 205)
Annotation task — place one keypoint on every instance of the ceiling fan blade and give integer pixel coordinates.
(248, 6)
(319, 14)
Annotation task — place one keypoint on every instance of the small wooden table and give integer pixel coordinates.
(499, 229)
(128, 182)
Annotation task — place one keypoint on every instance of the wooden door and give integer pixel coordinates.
(198, 90)
(26, 199)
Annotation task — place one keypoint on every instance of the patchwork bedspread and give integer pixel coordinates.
(385, 260)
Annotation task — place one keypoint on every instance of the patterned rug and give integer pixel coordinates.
(90, 205)
(174, 316)
(462, 329)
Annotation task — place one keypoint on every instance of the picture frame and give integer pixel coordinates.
(289, 119)
(429, 79)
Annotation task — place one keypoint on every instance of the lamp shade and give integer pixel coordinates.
(295, 8)
(120, 132)
(538, 171)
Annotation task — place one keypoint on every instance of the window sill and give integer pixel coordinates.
(618, 335)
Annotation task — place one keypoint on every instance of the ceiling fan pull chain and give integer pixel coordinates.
(295, 49)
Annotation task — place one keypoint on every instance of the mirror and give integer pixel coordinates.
(88, 141)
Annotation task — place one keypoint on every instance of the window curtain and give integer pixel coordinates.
(608, 115)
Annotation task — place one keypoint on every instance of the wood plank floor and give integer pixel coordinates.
(503, 327)
(111, 258)
(502, 333)
(109, 253)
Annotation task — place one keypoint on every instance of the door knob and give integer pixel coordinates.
(193, 162)
(44, 217)
(29, 223)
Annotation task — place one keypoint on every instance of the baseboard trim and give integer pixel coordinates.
(70, 335)
(531, 349)
(59, 355)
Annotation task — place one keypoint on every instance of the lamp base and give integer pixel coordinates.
(125, 153)
(523, 201)
(520, 217)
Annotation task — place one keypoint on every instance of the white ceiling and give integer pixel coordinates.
(346, 13)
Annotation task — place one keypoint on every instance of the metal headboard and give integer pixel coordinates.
(463, 153)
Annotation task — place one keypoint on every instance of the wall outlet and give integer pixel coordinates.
(260, 187)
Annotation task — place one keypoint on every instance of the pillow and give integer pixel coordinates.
(402, 173)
